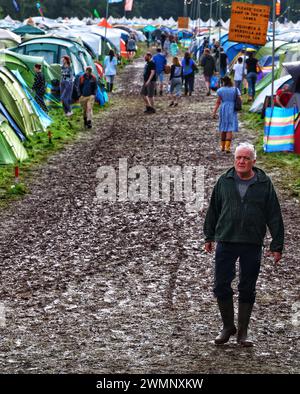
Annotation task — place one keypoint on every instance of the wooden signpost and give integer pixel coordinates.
(183, 22)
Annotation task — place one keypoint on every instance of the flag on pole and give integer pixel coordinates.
(16, 5)
(114, 1)
(96, 13)
(128, 5)
(277, 8)
(38, 6)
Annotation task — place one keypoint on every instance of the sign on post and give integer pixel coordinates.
(183, 22)
(249, 23)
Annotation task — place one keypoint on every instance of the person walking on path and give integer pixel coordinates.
(242, 205)
(209, 68)
(88, 90)
(66, 85)
(252, 67)
(238, 69)
(176, 78)
(228, 120)
(160, 63)
(149, 85)
(110, 69)
(188, 70)
(131, 47)
(167, 45)
(39, 87)
(223, 62)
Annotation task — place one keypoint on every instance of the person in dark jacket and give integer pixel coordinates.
(88, 90)
(209, 68)
(243, 204)
(39, 87)
(149, 85)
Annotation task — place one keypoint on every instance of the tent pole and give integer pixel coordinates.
(185, 8)
(220, 12)
(210, 16)
(107, 5)
(199, 14)
(273, 52)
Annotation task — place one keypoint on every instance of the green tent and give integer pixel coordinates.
(267, 49)
(25, 65)
(28, 29)
(11, 148)
(14, 99)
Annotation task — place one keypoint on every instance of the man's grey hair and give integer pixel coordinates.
(248, 146)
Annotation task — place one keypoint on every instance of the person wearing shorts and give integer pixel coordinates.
(160, 63)
(149, 85)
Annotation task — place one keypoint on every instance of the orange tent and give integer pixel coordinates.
(104, 23)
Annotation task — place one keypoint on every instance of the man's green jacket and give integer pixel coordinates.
(231, 219)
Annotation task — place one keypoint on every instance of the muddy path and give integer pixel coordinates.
(124, 287)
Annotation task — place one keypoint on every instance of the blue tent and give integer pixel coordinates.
(233, 48)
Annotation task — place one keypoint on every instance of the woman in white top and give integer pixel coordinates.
(110, 69)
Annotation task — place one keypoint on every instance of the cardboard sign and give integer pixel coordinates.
(249, 23)
(183, 22)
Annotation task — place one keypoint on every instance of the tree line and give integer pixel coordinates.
(144, 8)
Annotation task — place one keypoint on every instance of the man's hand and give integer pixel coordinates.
(276, 255)
(208, 247)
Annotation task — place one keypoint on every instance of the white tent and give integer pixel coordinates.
(8, 35)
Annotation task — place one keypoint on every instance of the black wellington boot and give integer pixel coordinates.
(111, 87)
(227, 314)
(245, 310)
(85, 122)
(89, 124)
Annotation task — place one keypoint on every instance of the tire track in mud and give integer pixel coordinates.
(110, 287)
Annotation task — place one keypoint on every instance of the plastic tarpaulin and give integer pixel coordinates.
(279, 129)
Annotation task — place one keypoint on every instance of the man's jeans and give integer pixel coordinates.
(249, 258)
(251, 78)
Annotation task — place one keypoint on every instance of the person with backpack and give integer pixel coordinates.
(87, 90)
(39, 87)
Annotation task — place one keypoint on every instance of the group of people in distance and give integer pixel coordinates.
(179, 73)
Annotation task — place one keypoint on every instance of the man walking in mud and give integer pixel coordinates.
(243, 204)
(148, 89)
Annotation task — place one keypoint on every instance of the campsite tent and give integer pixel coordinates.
(257, 106)
(11, 148)
(25, 65)
(28, 29)
(14, 99)
(54, 48)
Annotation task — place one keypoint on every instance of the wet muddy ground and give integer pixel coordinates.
(125, 287)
